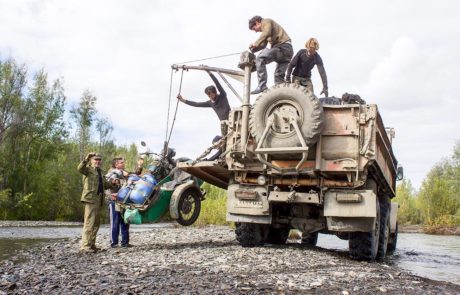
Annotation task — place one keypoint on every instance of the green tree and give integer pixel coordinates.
(12, 84)
(104, 130)
(405, 197)
(439, 199)
(84, 116)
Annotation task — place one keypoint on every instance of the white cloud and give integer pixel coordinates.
(406, 59)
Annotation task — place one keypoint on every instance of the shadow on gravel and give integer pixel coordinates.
(192, 245)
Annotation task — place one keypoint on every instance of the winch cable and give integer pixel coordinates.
(169, 104)
(168, 138)
(213, 57)
(175, 113)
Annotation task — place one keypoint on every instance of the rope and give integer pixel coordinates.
(175, 112)
(169, 104)
(168, 138)
(214, 57)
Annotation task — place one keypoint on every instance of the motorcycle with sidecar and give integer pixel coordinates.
(147, 197)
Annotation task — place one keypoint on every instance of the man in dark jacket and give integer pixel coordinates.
(217, 101)
(280, 51)
(303, 62)
(92, 197)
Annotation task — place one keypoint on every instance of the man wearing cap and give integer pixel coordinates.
(303, 62)
(280, 51)
(92, 198)
(117, 224)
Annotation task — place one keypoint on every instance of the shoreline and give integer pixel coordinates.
(412, 228)
(434, 230)
(204, 260)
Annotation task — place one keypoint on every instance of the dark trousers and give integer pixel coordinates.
(281, 54)
(117, 224)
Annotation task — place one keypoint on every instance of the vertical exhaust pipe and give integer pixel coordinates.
(247, 65)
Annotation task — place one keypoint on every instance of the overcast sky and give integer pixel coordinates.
(402, 55)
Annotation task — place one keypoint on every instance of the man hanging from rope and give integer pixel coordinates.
(217, 101)
(281, 50)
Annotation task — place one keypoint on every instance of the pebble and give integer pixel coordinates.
(205, 260)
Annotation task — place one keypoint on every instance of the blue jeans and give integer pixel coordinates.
(117, 224)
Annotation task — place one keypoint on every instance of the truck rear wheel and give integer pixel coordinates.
(283, 101)
(277, 236)
(384, 234)
(392, 241)
(251, 234)
(310, 239)
(364, 245)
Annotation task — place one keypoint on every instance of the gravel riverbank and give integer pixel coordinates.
(204, 260)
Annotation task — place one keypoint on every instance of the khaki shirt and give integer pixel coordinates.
(272, 33)
(91, 182)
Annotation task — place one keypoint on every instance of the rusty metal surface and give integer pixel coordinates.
(353, 145)
(208, 171)
(306, 182)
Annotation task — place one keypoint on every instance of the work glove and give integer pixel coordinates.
(89, 156)
(325, 92)
(288, 79)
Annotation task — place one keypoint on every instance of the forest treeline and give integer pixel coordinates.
(42, 140)
(437, 202)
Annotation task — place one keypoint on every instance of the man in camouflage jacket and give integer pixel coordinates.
(92, 197)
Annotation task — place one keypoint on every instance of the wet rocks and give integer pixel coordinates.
(202, 261)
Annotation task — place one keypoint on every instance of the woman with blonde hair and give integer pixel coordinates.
(302, 64)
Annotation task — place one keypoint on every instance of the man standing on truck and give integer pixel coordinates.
(217, 101)
(303, 62)
(281, 50)
(92, 197)
(117, 224)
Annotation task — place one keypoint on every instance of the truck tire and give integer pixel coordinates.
(393, 241)
(284, 99)
(364, 245)
(277, 236)
(189, 206)
(251, 234)
(310, 239)
(384, 234)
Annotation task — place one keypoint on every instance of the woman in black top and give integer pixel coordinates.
(303, 62)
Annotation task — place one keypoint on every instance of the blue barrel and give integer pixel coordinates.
(133, 178)
(141, 192)
(149, 178)
(123, 193)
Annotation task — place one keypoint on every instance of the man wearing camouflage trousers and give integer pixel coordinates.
(92, 197)
(281, 50)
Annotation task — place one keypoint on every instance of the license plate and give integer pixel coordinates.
(249, 204)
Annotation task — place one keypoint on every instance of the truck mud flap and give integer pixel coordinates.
(350, 211)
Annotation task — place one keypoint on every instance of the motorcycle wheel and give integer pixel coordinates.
(189, 207)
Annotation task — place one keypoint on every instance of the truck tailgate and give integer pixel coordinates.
(208, 171)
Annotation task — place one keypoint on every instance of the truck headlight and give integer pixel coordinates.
(261, 180)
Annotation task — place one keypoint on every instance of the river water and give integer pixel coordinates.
(431, 256)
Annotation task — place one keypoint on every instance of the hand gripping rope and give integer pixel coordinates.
(168, 136)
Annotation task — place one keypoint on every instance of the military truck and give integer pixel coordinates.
(293, 161)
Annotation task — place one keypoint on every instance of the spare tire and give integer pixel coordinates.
(282, 101)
